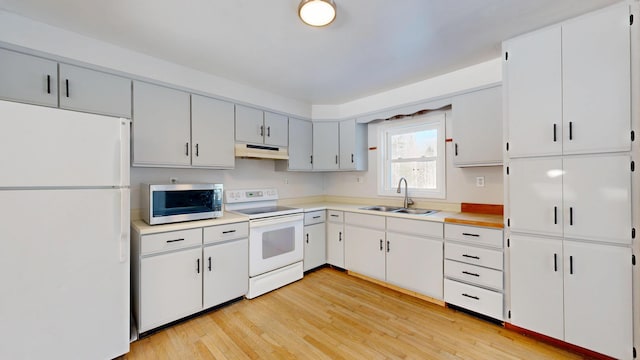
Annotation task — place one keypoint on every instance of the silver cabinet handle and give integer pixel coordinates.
(48, 84)
(470, 234)
(175, 240)
(66, 81)
(471, 296)
(198, 266)
(187, 149)
(197, 150)
(268, 131)
(471, 256)
(228, 231)
(209, 263)
(336, 159)
(340, 236)
(261, 130)
(380, 244)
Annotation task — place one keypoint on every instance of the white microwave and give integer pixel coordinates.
(170, 203)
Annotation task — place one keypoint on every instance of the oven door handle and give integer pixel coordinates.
(276, 220)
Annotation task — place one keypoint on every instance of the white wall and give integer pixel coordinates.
(248, 173)
(34, 35)
(461, 182)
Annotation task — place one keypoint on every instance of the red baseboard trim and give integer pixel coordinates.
(558, 343)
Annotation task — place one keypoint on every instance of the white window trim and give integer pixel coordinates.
(437, 120)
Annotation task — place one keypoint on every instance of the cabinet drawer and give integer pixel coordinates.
(415, 227)
(473, 298)
(170, 241)
(335, 216)
(473, 274)
(472, 234)
(473, 255)
(220, 233)
(314, 217)
(364, 220)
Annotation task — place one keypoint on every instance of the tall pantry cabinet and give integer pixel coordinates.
(569, 116)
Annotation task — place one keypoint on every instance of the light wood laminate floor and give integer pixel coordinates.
(331, 315)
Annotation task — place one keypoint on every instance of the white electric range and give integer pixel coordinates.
(275, 238)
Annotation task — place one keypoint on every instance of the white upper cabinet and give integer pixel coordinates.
(477, 128)
(259, 127)
(300, 144)
(533, 93)
(28, 79)
(94, 91)
(161, 126)
(568, 87)
(326, 146)
(209, 119)
(596, 80)
(353, 145)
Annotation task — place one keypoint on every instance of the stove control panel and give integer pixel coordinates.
(240, 196)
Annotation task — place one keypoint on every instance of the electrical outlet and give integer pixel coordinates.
(173, 180)
(359, 179)
(480, 181)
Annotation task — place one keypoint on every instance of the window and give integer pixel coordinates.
(413, 149)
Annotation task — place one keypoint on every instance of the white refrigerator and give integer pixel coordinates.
(64, 234)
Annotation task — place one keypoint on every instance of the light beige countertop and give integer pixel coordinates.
(229, 218)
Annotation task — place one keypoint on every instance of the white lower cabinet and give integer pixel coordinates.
(335, 238)
(574, 291)
(365, 248)
(315, 240)
(174, 276)
(473, 269)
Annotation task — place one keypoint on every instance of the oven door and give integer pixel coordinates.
(275, 242)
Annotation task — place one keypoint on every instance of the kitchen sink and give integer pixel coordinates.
(415, 211)
(381, 208)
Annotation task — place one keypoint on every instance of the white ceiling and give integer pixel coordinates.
(372, 46)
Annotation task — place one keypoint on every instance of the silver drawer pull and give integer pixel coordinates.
(471, 256)
(172, 241)
(334, 215)
(470, 273)
(469, 234)
(471, 296)
(228, 231)
(317, 217)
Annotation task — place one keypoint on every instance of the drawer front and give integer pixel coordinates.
(364, 220)
(170, 240)
(473, 255)
(314, 217)
(214, 234)
(415, 227)
(475, 235)
(473, 274)
(473, 298)
(335, 216)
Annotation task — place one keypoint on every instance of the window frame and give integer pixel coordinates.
(429, 121)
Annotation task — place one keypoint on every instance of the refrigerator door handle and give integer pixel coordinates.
(125, 130)
(124, 225)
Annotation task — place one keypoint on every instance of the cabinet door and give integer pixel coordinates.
(535, 195)
(226, 272)
(415, 263)
(477, 127)
(533, 87)
(315, 246)
(161, 126)
(597, 81)
(325, 146)
(300, 144)
(347, 145)
(364, 251)
(212, 123)
(94, 91)
(170, 287)
(276, 130)
(249, 125)
(598, 298)
(335, 244)
(29, 79)
(597, 198)
(536, 284)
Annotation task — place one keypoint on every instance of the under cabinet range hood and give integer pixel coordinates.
(261, 152)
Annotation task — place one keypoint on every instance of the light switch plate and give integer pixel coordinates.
(480, 181)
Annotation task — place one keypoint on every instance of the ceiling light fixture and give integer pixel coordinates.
(317, 12)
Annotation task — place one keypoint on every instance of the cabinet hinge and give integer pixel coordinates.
(631, 19)
(633, 259)
(507, 146)
(506, 55)
(633, 166)
(507, 170)
(633, 135)
(509, 314)
(508, 222)
(633, 233)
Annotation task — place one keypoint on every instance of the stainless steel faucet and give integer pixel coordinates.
(407, 200)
